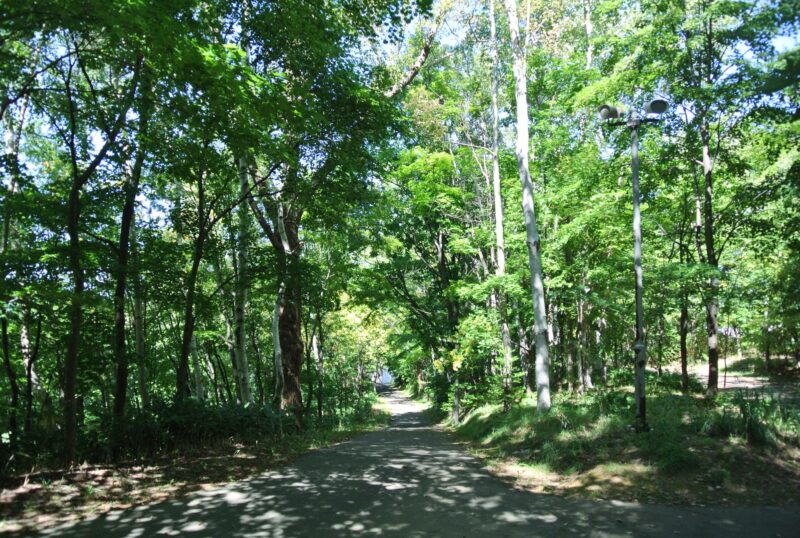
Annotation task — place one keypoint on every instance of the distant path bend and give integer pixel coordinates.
(412, 480)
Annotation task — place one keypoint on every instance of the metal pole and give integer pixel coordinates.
(640, 359)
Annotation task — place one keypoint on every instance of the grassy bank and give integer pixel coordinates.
(741, 448)
(50, 497)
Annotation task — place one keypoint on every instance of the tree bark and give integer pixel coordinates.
(29, 356)
(583, 374)
(240, 290)
(291, 339)
(12, 381)
(529, 212)
(75, 317)
(500, 270)
(131, 189)
(79, 180)
(199, 384)
(712, 302)
(259, 365)
(182, 390)
(683, 330)
(412, 72)
(277, 353)
(316, 350)
(767, 356)
(287, 327)
(139, 325)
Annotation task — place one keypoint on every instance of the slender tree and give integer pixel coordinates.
(542, 363)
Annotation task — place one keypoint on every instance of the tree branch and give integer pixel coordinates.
(413, 71)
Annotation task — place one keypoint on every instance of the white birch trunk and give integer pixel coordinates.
(138, 321)
(277, 396)
(498, 212)
(240, 293)
(27, 350)
(276, 340)
(529, 212)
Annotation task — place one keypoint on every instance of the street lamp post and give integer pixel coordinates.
(608, 113)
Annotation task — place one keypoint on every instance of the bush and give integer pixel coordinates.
(760, 418)
(666, 382)
(168, 426)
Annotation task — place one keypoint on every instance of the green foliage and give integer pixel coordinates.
(592, 430)
(186, 99)
(759, 417)
(377, 218)
(666, 382)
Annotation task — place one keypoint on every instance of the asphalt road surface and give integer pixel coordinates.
(411, 480)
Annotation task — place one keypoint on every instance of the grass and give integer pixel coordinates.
(734, 450)
(36, 501)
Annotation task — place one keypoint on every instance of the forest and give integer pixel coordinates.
(225, 222)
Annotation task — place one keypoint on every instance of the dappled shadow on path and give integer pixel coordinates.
(408, 480)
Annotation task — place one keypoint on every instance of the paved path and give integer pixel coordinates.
(411, 480)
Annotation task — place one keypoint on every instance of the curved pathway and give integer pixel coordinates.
(411, 480)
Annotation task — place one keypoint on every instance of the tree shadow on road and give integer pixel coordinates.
(406, 480)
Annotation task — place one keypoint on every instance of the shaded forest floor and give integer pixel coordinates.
(751, 373)
(43, 499)
(741, 449)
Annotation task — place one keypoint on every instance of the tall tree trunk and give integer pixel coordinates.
(277, 354)
(79, 180)
(683, 330)
(75, 317)
(29, 356)
(580, 347)
(287, 326)
(529, 212)
(131, 189)
(12, 381)
(309, 378)
(500, 270)
(767, 357)
(139, 325)
(228, 317)
(120, 351)
(259, 365)
(211, 350)
(712, 302)
(240, 293)
(211, 372)
(524, 353)
(182, 390)
(291, 339)
(12, 153)
(570, 358)
(316, 350)
(197, 371)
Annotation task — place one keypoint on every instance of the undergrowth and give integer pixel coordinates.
(759, 417)
(190, 427)
(583, 431)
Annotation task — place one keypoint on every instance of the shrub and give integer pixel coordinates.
(758, 417)
(666, 382)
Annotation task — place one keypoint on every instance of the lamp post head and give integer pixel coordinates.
(608, 112)
(656, 106)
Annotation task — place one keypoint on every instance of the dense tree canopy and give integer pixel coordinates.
(259, 205)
